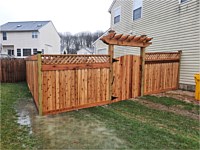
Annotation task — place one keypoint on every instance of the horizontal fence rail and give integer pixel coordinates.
(61, 83)
(12, 70)
(161, 72)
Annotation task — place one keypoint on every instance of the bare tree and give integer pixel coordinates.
(67, 41)
(72, 43)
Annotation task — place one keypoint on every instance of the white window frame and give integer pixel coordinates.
(137, 4)
(117, 12)
(34, 34)
(26, 49)
(19, 51)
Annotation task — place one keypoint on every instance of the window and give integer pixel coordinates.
(137, 13)
(35, 51)
(182, 1)
(117, 14)
(137, 9)
(4, 36)
(10, 52)
(19, 52)
(34, 35)
(26, 52)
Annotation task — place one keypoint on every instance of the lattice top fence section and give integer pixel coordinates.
(74, 59)
(175, 56)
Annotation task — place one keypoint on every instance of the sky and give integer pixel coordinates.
(67, 15)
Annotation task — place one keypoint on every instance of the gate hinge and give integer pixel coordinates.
(140, 67)
(113, 97)
(114, 60)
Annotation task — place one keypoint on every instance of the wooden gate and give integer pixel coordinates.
(126, 77)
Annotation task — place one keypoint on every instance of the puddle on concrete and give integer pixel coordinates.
(68, 130)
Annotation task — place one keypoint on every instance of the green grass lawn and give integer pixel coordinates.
(137, 125)
(14, 136)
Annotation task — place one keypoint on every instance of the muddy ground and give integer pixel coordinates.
(186, 96)
(67, 130)
(72, 131)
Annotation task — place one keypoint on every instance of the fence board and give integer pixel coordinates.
(12, 70)
(161, 72)
(32, 79)
(126, 77)
(86, 85)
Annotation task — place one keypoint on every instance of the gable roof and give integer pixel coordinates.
(109, 10)
(23, 26)
(106, 32)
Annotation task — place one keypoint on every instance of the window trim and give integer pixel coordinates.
(34, 34)
(34, 52)
(19, 52)
(114, 16)
(26, 49)
(12, 52)
(4, 35)
(136, 9)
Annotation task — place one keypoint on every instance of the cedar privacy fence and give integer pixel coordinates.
(12, 70)
(62, 83)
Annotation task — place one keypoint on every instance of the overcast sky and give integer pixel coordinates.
(67, 15)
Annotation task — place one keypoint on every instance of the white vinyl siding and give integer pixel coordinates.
(117, 15)
(172, 25)
(102, 51)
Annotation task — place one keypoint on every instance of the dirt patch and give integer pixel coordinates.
(186, 96)
(173, 109)
(68, 130)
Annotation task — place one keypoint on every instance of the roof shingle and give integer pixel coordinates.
(23, 26)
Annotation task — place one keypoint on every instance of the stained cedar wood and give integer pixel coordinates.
(32, 79)
(65, 90)
(12, 70)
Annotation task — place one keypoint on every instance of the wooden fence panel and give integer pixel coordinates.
(12, 70)
(32, 78)
(126, 72)
(161, 72)
(72, 89)
(71, 82)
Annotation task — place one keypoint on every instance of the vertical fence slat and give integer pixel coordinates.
(12, 70)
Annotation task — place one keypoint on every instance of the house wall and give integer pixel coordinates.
(83, 51)
(173, 26)
(19, 40)
(49, 39)
(99, 46)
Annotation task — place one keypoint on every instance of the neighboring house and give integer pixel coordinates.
(174, 25)
(99, 46)
(22, 39)
(85, 51)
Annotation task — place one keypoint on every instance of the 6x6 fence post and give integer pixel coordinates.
(179, 68)
(40, 83)
(111, 53)
(142, 54)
